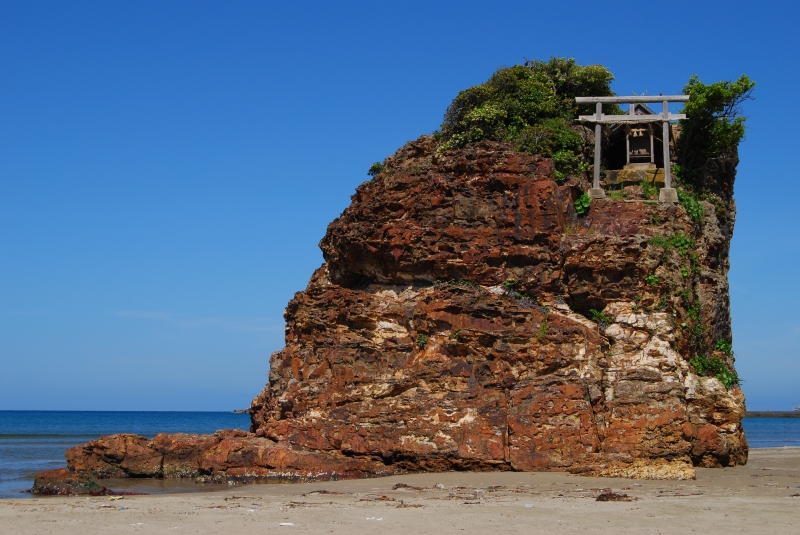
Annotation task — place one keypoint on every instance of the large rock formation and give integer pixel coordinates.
(449, 327)
(467, 318)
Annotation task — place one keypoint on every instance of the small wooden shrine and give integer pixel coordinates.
(639, 138)
(639, 127)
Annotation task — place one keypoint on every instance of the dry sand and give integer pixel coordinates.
(762, 497)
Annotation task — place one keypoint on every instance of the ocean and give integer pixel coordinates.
(35, 440)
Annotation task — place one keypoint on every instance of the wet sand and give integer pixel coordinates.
(761, 497)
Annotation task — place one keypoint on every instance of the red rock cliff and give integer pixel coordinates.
(449, 327)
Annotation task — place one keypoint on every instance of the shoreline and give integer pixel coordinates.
(760, 497)
(152, 486)
(187, 486)
(772, 414)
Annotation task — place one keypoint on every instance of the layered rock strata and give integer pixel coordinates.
(450, 327)
(225, 456)
(466, 318)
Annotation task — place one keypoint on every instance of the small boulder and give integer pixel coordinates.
(62, 482)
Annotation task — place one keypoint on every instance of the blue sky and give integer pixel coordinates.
(168, 168)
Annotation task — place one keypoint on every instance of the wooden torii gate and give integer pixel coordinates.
(667, 193)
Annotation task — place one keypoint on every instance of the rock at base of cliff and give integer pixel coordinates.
(62, 482)
(228, 456)
(651, 469)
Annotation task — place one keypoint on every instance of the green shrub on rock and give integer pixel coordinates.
(566, 164)
(582, 204)
(676, 240)
(548, 137)
(714, 367)
(693, 207)
(532, 106)
(724, 346)
(422, 340)
(600, 317)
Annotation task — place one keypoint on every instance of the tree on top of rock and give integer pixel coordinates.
(531, 105)
(713, 128)
(518, 99)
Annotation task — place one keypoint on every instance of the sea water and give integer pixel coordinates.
(36, 440)
(772, 432)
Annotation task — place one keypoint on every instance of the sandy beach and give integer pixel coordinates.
(761, 497)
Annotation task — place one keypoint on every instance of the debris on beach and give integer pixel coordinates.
(608, 495)
(405, 486)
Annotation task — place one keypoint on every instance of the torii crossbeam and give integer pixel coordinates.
(667, 193)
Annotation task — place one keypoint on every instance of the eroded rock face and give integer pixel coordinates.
(225, 456)
(449, 327)
(467, 318)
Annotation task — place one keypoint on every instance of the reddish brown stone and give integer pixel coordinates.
(115, 456)
(229, 455)
(62, 482)
(491, 389)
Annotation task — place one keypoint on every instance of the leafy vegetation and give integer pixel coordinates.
(600, 317)
(532, 106)
(375, 169)
(422, 340)
(656, 219)
(714, 125)
(651, 279)
(661, 241)
(677, 240)
(454, 334)
(693, 207)
(616, 195)
(549, 137)
(695, 327)
(682, 243)
(649, 190)
(542, 332)
(695, 264)
(582, 204)
(725, 347)
(715, 367)
(566, 164)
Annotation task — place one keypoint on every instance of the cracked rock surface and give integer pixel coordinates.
(449, 328)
